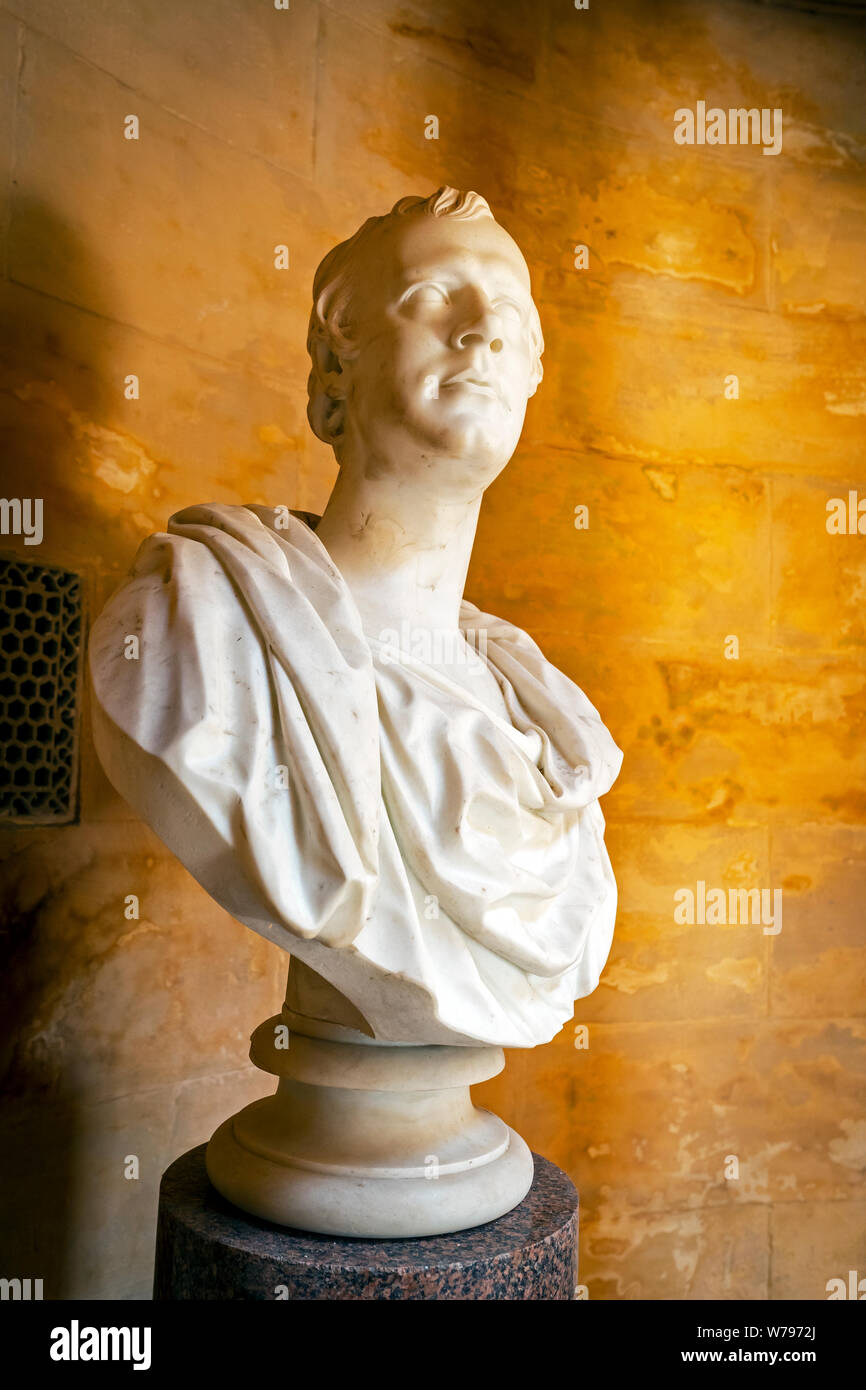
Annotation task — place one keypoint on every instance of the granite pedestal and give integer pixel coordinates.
(208, 1249)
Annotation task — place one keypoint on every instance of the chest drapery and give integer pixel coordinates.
(443, 867)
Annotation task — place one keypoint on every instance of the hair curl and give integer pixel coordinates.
(329, 337)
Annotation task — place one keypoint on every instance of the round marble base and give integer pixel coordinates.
(208, 1249)
(368, 1140)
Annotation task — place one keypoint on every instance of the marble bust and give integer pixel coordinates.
(353, 760)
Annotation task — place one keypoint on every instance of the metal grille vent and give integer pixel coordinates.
(40, 664)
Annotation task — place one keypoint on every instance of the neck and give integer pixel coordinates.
(404, 554)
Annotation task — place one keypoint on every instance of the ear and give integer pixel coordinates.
(329, 368)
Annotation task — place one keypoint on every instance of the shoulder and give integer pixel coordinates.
(500, 630)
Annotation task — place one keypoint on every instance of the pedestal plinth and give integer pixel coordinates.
(364, 1138)
(208, 1249)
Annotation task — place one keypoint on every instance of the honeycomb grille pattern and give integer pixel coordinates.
(40, 663)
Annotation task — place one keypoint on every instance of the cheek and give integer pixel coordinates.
(516, 378)
(521, 355)
(389, 389)
(412, 341)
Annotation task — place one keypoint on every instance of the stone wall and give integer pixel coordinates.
(706, 522)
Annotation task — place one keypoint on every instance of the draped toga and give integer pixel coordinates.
(441, 866)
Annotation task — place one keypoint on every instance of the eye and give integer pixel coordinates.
(509, 309)
(426, 293)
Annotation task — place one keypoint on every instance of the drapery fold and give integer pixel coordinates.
(445, 869)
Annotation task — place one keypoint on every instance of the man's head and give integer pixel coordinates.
(424, 339)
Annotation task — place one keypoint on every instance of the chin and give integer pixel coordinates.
(482, 437)
(476, 451)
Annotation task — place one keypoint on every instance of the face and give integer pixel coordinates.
(445, 362)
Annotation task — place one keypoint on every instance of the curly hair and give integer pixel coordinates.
(329, 337)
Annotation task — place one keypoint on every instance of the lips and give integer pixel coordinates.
(473, 383)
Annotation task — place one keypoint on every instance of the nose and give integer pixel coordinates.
(481, 328)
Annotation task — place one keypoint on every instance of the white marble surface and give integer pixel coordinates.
(350, 758)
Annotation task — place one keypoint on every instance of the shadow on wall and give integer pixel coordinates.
(474, 147)
(48, 381)
(61, 369)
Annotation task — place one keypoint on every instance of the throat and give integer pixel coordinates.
(403, 552)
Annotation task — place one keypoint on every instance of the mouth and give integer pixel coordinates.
(472, 383)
